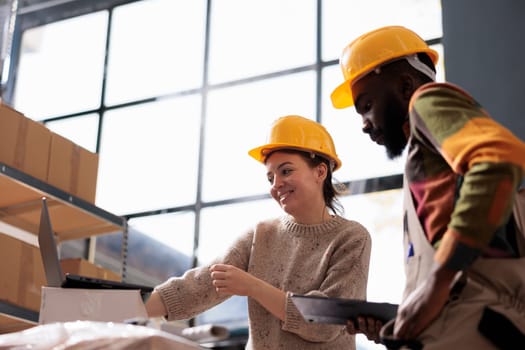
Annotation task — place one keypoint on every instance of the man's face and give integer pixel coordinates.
(379, 101)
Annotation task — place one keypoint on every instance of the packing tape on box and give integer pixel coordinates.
(75, 166)
(20, 147)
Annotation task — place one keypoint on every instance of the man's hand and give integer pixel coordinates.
(424, 304)
(366, 325)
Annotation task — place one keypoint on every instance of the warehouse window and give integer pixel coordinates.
(172, 94)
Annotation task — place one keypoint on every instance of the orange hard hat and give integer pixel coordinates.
(370, 51)
(299, 133)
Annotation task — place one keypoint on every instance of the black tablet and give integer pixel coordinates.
(336, 310)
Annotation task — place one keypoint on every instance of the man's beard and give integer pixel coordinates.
(394, 137)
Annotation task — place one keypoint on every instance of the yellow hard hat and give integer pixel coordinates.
(371, 50)
(300, 133)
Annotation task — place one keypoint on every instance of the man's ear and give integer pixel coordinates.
(408, 85)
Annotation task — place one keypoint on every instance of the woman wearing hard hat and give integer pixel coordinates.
(310, 250)
(465, 263)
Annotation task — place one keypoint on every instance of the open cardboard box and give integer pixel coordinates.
(83, 267)
(105, 305)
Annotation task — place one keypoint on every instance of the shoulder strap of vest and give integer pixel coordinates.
(519, 219)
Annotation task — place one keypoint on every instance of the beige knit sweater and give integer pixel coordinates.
(329, 259)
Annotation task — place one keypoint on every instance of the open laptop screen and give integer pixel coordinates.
(53, 270)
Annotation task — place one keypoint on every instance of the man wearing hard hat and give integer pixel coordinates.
(465, 265)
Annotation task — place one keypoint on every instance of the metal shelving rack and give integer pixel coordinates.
(71, 216)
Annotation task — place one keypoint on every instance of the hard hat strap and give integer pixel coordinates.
(331, 162)
(414, 61)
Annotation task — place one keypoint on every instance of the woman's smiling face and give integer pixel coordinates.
(295, 185)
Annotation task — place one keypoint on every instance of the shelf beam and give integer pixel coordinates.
(72, 217)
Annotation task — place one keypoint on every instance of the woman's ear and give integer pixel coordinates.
(322, 170)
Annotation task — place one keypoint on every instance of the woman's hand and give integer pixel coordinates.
(154, 306)
(229, 279)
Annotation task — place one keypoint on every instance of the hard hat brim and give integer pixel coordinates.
(257, 153)
(260, 153)
(342, 96)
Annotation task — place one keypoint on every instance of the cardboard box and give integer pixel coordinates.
(22, 279)
(83, 267)
(24, 143)
(72, 168)
(10, 324)
(22, 273)
(105, 305)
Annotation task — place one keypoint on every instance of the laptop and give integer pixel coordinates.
(317, 309)
(57, 278)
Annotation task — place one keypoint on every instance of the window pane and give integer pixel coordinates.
(108, 254)
(61, 66)
(382, 214)
(149, 155)
(81, 130)
(222, 225)
(159, 247)
(239, 119)
(361, 157)
(167, 247)
(232, 313)
(345, 20)
(175, 230)
(255, 37)
(156, 47)
(440, 68)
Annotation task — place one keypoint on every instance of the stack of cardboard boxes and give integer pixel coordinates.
(22, 273)
(30, 147)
